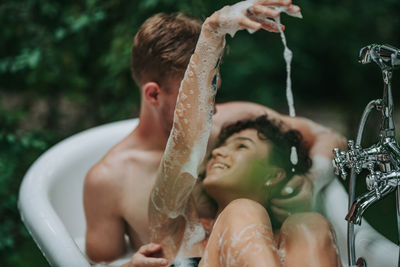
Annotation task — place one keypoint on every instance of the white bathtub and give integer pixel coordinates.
(50, 202)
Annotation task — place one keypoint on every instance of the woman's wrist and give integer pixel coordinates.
(212, 26)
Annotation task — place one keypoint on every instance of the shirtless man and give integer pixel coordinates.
(118, 187)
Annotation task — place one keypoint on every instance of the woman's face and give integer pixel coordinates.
(239, 165)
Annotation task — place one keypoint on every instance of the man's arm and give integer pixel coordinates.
(321, 141)
(105, 229)
(319, 138)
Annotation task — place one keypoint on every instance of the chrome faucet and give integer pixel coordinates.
(385, 56)
(382, 160)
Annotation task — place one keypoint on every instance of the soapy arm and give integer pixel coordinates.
(186, 145)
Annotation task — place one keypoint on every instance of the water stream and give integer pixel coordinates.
(287, 54)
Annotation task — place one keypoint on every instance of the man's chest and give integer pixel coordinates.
(135, 202)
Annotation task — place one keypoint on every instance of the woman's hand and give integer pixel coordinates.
(251, 14)
(302, 189)
(145, 257)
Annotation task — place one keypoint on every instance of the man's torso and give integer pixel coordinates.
(135, 171)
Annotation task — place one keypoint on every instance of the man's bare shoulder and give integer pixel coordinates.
(101, 195)
(100, 180)
(125, 160)
(103, 173)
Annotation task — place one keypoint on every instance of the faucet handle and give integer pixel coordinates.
(350, 143)
(370, 167)
(339, 162)
(358, 167)
(336, 152)
(372, 180)
(354, 156)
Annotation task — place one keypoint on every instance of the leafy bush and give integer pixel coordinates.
(17, 151)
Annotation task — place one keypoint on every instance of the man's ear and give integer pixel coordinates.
(275, 177)
(151, 92)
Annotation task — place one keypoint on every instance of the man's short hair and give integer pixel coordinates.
(162, 47)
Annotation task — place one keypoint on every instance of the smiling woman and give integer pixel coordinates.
(238, 168)
(258, 150)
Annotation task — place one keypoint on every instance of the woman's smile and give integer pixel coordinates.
(219, 165)
(233, 161)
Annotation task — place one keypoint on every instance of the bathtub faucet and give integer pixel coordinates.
(379, 182)
(382, 159)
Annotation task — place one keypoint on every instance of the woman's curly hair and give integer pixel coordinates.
(282, 141)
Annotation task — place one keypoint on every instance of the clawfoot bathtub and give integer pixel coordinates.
(50, 202)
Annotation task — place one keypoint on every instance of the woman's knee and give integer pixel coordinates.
(311, 227)
(308, 220)
(243, 233)
(243, 218)
(308, 239)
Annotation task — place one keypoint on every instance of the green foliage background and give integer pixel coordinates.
(65, 67)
